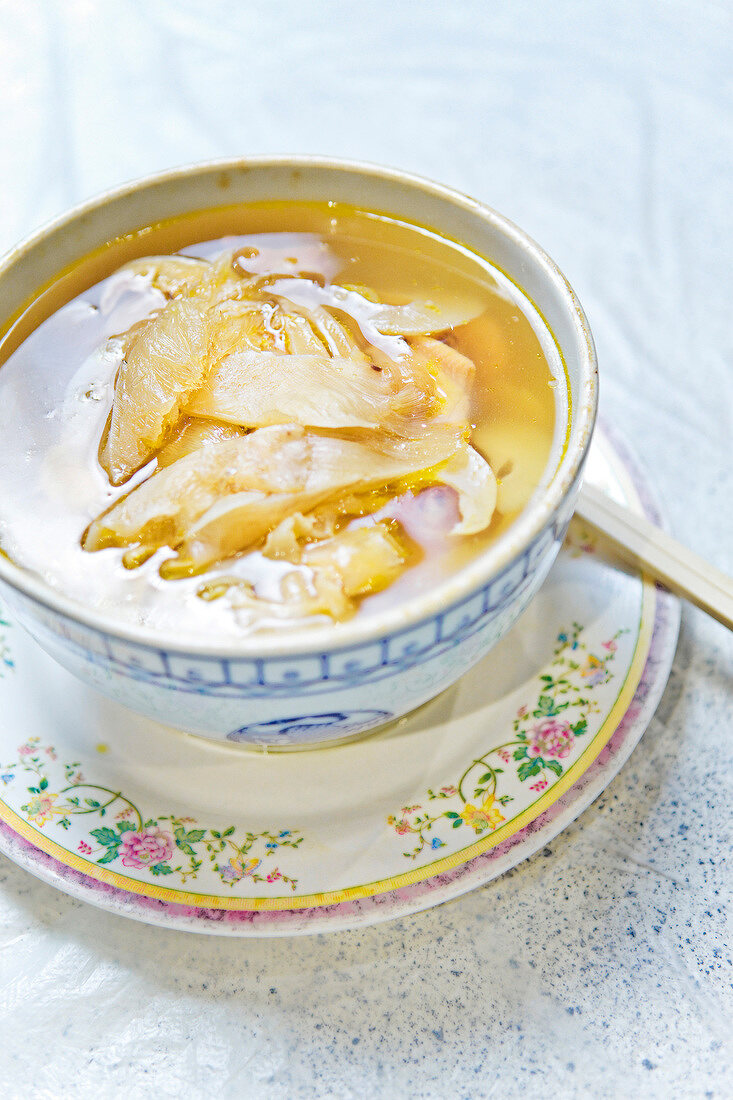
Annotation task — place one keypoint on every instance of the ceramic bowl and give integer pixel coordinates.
(324, 685)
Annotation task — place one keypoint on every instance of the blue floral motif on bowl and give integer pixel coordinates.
(309, 727)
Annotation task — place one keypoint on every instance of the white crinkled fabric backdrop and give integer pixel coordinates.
(601, 967)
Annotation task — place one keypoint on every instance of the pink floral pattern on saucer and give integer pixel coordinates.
(544, 735)
(160, 846)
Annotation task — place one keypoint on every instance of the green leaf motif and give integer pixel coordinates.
(125, 827)
(580, 728)
(554, 765)
(43, 784)
(545, 707)
(92, 803)
(184, 839)
(530, 768)
(110, 854)
(487, 777)
(161, 869)
(548, 708)
(105, 836)
(520, 754)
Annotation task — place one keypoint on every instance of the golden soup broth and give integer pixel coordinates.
(57, 385)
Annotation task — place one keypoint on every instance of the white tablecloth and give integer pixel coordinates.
(605, 129)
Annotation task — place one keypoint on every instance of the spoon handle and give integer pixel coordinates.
(642, 544)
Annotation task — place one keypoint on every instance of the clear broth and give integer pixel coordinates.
(56, 389)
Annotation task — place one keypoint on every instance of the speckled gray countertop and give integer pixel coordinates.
(601, 967)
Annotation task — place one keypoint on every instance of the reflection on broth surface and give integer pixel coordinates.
(320, 411)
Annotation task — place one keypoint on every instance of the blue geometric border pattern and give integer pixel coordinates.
(307, 727)
(298, 676)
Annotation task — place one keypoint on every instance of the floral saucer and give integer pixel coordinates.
(157, 825)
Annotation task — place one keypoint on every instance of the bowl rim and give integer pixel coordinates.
(414, 610)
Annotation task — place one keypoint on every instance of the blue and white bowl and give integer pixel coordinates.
(316, 686)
